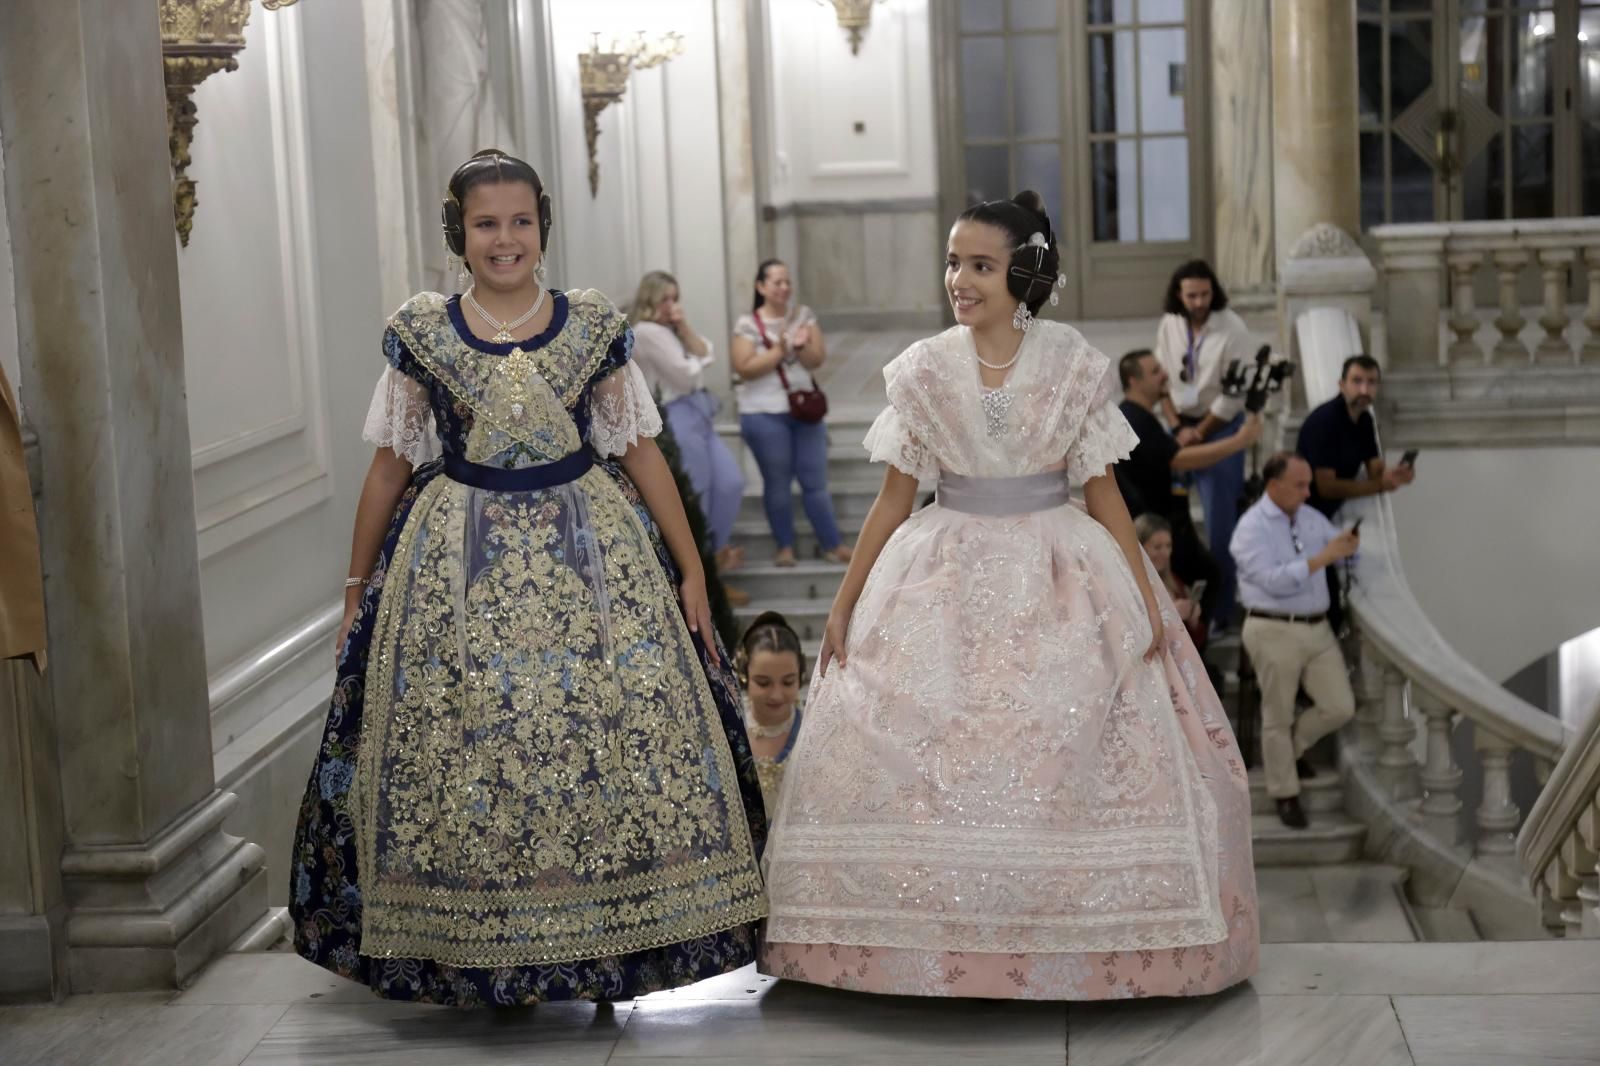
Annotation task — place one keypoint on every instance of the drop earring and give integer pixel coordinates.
(455, 264)
(1021, 318)
(541, 272)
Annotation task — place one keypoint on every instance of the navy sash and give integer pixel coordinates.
(523, 479)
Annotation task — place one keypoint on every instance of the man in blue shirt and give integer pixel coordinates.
(1278, 547)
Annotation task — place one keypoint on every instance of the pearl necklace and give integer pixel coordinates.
(757, 730)
(996, 366)
(504, 336)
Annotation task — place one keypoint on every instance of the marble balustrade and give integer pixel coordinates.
(1426, 268)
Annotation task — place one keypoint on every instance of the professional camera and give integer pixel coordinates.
(1257, 382)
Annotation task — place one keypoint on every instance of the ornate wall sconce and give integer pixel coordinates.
(603, 77)
(855, 16)
(198, 39)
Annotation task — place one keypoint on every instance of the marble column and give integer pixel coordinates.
(1241, 147)
(1315, 149)
(152, 885)
(741, 223)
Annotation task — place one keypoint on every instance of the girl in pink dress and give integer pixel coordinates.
(1015, 779)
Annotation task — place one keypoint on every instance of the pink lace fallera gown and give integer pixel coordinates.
(998, 796)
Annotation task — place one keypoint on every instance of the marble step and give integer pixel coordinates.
(807, 580)
(1358, 902)
(1446, 924)
(806, 616)
(755, 536)
(852, 499)
(1332, 837)
(1319, 794)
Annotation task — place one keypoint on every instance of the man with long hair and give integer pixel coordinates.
(1197, 338)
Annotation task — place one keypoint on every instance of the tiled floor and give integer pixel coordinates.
(1373, 1004)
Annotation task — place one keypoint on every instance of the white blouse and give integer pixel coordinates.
(667, 364)
(766, 394)
(621, 413)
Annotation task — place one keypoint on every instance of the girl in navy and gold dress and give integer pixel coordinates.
(534, 783)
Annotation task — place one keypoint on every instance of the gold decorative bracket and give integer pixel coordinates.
(603, 77)
(855, 17)
(198, 39)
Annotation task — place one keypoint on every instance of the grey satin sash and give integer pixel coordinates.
(997, 496)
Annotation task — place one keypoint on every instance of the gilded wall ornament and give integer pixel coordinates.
(854, 16)
(603, 78)
(198, 39)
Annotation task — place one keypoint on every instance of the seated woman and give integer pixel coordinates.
(674, 358)
(776, 347)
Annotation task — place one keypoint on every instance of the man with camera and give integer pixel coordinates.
(1279, 546)
(1145, 477)
(1340, 439)
(1196, 342)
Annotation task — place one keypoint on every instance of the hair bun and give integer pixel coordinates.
(1033, 202)
(770, 618)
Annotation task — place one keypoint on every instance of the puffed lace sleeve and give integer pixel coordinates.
(890, 441)
(1104, 439)
(621, 411)
(401, 418)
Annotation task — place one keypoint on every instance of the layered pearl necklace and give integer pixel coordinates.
(505, 329)
(759, 731)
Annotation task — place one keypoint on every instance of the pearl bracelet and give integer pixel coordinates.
(352, 582)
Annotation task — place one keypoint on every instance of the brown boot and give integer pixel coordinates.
(737, 597)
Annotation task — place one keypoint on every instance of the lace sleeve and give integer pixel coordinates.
(401, 418)
(1104, 439)
(889, 441)
(621, 411)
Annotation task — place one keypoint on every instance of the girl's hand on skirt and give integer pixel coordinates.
(1157, 631)
(344, 629)
(833, 637)
(697, 612)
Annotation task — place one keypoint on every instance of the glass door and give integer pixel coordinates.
(1095, 104)
(1477, 109)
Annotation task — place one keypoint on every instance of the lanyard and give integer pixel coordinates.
(1191, 358)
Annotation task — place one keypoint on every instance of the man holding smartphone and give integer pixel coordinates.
(1278, 546)
(1340, 439)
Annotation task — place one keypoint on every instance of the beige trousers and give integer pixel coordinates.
(1288, 655)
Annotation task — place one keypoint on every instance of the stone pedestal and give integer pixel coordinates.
(151, 884)
(1315, 148)
(1241, 147)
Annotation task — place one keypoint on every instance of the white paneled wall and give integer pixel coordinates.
(283, 294)
(850, 127)
(660, 201)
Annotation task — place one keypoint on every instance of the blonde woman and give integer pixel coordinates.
(674, 358)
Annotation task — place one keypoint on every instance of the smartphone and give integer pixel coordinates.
(1356, 529)
(1197, 591)
(1409, 458)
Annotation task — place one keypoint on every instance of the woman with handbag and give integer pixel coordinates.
(781, 411)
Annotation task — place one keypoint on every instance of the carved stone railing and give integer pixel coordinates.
(1559, 845)
(1425, 267)
(1414, 691)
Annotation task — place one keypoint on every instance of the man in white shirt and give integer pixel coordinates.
(1279, 546)
(1197, 338)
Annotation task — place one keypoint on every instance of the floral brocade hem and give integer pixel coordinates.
(1187, 971)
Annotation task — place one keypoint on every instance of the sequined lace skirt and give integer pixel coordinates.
(998, 796)
(530, 786)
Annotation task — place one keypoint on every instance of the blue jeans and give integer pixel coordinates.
(712, 469)
(788, 450)
(1220, 487)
